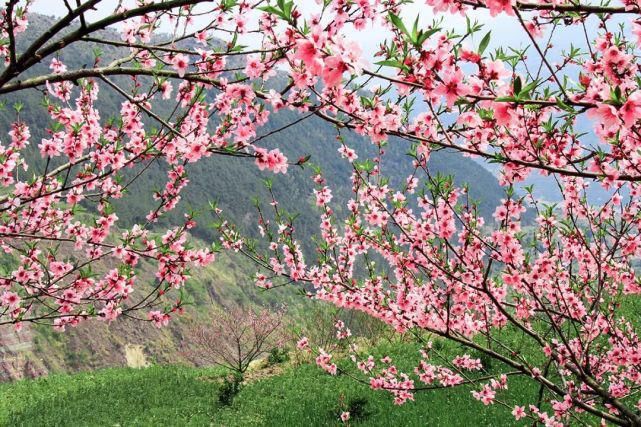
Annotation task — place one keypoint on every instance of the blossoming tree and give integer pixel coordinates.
(565, 285)
(235, 338)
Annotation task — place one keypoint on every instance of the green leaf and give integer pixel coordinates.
(485, 42)
(505, 99)
(398, 23)
(525, 92)
(287, 10)
(393, 63)
(415, 30)
(272, 10)
(562, 105)
(424, 35)
(365, 166)
(616, 94)
(238, 48)
(518, 85)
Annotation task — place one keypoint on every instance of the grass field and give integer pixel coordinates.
(172, 395)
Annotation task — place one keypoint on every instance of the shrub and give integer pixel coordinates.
(229, 389)
(357, 408)
(277, 355)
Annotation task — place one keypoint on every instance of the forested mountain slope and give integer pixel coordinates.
(235, 181)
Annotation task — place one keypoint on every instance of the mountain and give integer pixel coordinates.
(233, 182)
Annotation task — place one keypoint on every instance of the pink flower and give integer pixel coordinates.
(630, 112)
(57, 66)
(636, 30)
(504, 113)
(495, 70)
(49, 148)
(241, 24)
(111, 312)
(518, 412)
(201, 36)
(605, 115)
(348, 153)
(324, 361)
(306, 51)
(159, 318)
(486, 395)
(466, 362)
(302, 343)
(345, 416)
(534, 29)
(323, 196)
(273, 160)
(333, 71)
(377, 218)
(452, 87)
(254, 67)
(166, 88)
(10, 299)
(180, 63)
(262, 282)
(59, 269)
(498, 6)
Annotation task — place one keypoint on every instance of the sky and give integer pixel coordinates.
(369, 39)
(506, 30)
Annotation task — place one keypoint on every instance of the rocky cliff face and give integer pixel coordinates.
(17, 360)
(36, 350)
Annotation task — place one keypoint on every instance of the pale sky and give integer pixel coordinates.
(505, 28)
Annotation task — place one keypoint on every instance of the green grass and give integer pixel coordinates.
(154, 396)
(301, 396)
(308, 397)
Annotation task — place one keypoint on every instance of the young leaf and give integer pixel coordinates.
(484, 42)
(398, 23)
(518, 85)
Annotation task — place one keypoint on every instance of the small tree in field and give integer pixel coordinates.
(234, 338)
